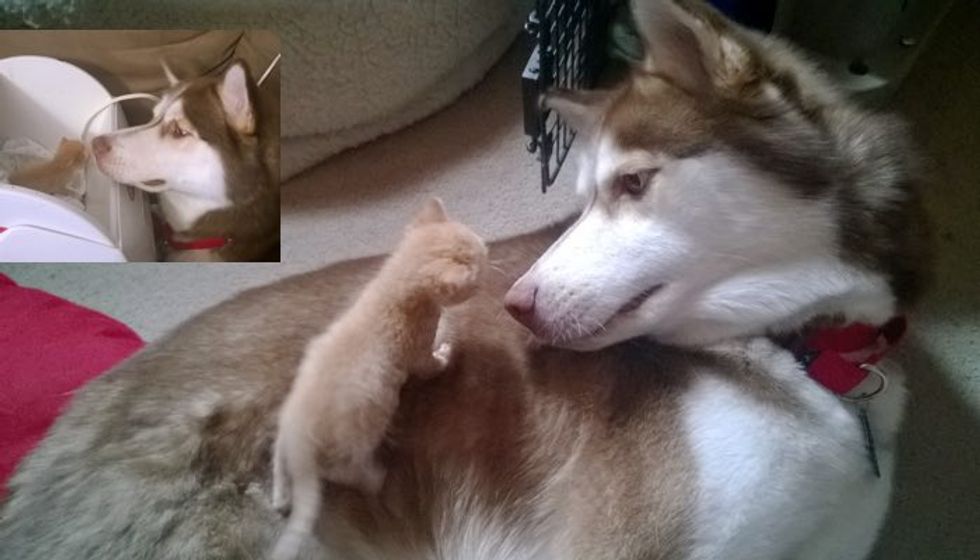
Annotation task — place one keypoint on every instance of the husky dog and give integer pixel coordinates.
(346, 391)
(734, 199)
(212, 152)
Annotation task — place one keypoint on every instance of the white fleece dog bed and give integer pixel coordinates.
(393, 68)
(352, 69)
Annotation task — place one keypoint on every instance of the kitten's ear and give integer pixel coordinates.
(432, 212)
(235, 98)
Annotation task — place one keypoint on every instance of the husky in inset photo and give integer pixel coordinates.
(212, 153)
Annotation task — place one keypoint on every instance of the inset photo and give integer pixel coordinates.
(139, 145)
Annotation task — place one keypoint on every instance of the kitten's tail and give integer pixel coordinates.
(306, 502)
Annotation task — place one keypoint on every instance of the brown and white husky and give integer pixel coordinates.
(733, 199)
(212, 152)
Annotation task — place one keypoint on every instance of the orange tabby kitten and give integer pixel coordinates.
(346, 391)
(53, 176)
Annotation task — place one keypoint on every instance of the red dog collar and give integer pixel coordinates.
(193, 245)
(839, 357)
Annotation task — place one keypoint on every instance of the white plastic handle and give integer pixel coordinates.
(112, 102)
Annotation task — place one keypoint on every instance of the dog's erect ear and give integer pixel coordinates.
(692, 45)
(581, 109)
(432, 212)
(234, 93)
(171, 77)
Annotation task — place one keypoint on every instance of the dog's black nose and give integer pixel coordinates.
(101, 146)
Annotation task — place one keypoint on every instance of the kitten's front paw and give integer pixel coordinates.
(437, 363)
(442, 353)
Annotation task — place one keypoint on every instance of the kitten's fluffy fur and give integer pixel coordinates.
(346, 391)
(53, 176)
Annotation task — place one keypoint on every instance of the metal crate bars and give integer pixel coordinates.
(568, 52)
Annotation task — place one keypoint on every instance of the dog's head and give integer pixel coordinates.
(712, 180)
(196, 127)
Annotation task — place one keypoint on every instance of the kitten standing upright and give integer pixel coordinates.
(346, 391)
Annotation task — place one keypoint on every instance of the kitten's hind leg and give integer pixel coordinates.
(280, 478)
(305, 498)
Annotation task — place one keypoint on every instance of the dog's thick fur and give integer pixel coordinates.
(345, 395)
(714, 446)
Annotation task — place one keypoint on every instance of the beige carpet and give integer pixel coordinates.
(472, 155)
(936, 509)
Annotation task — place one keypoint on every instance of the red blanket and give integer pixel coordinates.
(49, 347)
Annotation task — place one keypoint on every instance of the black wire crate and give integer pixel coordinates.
(567, 39)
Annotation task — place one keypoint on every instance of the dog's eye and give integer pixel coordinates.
(634, 184)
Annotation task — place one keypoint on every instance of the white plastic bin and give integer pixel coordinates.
(45, 99)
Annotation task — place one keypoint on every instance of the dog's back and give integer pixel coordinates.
(508, 453)
(167, 456)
